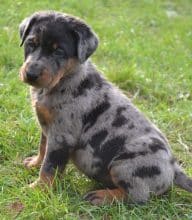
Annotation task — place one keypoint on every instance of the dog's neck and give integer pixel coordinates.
(72, 80)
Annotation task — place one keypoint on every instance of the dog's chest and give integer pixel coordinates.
(44, 114)
(43, 110)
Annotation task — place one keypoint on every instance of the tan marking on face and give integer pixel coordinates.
(66, 70)
(35, 40)
(44, 114)
(45, 78)
(23, 70)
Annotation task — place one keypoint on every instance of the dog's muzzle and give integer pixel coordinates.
(34, 70)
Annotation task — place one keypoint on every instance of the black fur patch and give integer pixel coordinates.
(72, 116)
(91, 117)
(60, 120)
(84, 85)
(81, 145)
(63, 90)
(98, 138)
(124, 185)
(147, 129)
(58, 158)
(109, 149)
(157, 145)
(130, 155)
(147, 172)
(160, 187)
(92, 80)
(119, 121)
(96, 164)
(120, 109)
(53, 31)
(131, 126)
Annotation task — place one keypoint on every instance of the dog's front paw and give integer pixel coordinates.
(44, 181)
(33, 161)
(41, 184)
(35, 184)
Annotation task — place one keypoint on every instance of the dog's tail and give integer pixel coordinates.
(181, 179)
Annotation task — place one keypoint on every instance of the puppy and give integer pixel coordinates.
(85, 118)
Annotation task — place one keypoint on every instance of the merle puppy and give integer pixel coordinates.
(85, 118)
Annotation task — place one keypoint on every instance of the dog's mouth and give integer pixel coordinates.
(41, 80)
(34, 84)
(43, 77)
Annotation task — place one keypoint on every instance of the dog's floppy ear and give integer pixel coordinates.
(25, 27)
(87, 41)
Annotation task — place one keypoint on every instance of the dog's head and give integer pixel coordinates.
(54, 43)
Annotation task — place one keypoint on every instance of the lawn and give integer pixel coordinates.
(146, 50)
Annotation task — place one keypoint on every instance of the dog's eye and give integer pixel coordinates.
(31, 45)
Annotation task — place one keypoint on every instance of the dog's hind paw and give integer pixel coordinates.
(103, 197)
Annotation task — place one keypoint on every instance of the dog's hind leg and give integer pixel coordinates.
(136, 188)
(133, 190)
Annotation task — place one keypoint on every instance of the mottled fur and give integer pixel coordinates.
(86, 119)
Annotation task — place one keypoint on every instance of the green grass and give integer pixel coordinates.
(145, 48)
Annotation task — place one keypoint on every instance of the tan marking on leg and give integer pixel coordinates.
(22, 72)
(108, 196)
(23, 69)
(46, 178)
(35, 161)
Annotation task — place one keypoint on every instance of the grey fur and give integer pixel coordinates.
(104, 134)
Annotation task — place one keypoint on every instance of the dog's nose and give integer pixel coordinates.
(31, 76)
(33, 71)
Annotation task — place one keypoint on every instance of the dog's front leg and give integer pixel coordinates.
(56, 157)
(35, 161)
